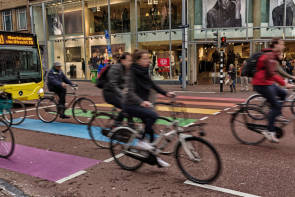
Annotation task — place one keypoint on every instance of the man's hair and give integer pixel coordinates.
(274, 42)
(137, 54)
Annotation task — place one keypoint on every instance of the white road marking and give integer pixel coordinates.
(220, 189)
(226, 109)
(204, 118)
(71, 176)
(112, 158)
(230, 112)
(216, 113)
(189, 124)
(195, 92)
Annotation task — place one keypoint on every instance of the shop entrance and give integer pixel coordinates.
(208, 59)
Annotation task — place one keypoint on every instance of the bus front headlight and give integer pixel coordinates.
(41, 91)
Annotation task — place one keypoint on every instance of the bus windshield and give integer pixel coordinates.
(19, 64)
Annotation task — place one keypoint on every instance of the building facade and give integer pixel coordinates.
(73, 32)
(15, 16)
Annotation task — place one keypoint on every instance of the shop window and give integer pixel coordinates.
(22, 19)
(153, 15)
(7, 20)
(97, 16)
(120, 16)
(176, 13)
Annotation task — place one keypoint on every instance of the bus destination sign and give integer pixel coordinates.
(6, 39)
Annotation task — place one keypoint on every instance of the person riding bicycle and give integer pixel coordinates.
(116, 76)
(264, 83)
(56, 82)
(137, 102)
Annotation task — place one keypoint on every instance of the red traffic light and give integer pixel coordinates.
(223, 39)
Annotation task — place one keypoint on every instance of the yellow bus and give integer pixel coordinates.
(20, 66)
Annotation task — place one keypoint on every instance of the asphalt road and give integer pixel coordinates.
(263, 170)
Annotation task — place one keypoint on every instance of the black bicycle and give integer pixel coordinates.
(248, 130)
(82, 107)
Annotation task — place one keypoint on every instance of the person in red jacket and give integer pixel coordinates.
(264, 82)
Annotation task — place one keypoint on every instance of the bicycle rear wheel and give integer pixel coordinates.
(199, 152)
(47, 110)
(18, 113)
(99, 129)
(82, 110)
(6, 140)
(119, 141)
(240, 121)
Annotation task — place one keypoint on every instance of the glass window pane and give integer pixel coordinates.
(153, 15)
(73, 17)
(120, 16)
(96, 16)
(176, 13)
(22, 19)
(7, 20)
(54, 18)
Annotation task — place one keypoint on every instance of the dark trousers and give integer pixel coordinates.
(61, 93)
(271, 93)
(147, 115)
(115, 100)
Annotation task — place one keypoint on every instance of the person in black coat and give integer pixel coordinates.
(137, 102)
(56, 82)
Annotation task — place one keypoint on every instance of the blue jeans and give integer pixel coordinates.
(271, 92)
(147, 115)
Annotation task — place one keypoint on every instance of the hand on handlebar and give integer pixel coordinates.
(171, 94)
(64, 85)
(146, 104)
(289, 86)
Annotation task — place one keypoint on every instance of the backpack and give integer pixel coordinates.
(102, 76)
(249, 69)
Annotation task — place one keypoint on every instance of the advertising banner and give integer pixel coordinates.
(224, 13)
(277, 10)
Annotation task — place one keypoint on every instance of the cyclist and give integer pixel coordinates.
(264, 83)
(57, 83)
(137, 102)
(113, 90)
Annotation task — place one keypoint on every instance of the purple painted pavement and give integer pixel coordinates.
(44, 164)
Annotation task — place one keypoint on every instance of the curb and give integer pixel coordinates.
(11, 190)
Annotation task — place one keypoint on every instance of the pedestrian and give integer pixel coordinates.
(83, 66)
(244, 79)
(232, 75)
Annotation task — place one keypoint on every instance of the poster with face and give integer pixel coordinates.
(224, 13)
(277, 10)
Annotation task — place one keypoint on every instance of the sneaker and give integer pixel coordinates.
(162, 163)
(64, 116)
(144, 145)
(271, 136)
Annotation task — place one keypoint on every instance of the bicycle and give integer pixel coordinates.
(197, 149)
(101, 124)
(7, 144)
(248, 130)
(5, 107)
(18, 113)
(82, 107)
(258, 101)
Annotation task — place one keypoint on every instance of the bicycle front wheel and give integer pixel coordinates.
(83, 108)
(18, 113)
(6, 140)
(47, 110)
(99, 129)
(240, 121)
(257, 101)
(119, 141)
(198, 161)
(7, 117)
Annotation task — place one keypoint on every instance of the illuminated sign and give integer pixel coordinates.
(16, 40)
